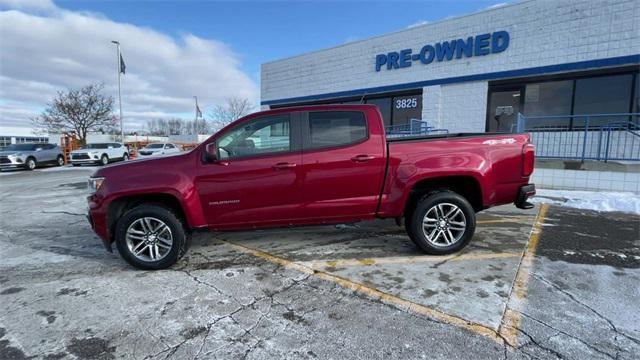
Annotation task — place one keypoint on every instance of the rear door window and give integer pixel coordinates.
(335, 128)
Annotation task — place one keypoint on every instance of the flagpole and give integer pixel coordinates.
(119, 70)
(195, 121)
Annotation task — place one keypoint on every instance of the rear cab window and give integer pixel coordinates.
(335, 129)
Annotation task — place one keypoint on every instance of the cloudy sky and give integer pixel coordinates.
(176, 49)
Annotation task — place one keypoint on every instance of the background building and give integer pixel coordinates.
(18, 135)
(564, 66)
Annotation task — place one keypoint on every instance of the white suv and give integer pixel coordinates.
(101, 153)
(156, 149)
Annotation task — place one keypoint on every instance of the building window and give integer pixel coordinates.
(396, 108)
(384, 105)
(406, 108)
(5, 141)
(602, 95)
(563, 101)
(31, 139)
(548, 98)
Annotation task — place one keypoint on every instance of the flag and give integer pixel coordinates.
(198, 112)
(122, 65)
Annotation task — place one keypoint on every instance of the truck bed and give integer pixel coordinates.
(442, 136)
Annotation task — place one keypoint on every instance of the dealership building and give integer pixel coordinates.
(565, 71)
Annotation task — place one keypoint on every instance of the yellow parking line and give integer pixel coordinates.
(513, 219)
(511, 319)
(375, 294)
(321, 264)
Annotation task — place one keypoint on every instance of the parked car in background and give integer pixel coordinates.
(99, 153)
(309, 165)
(30, 156)
(158, 149)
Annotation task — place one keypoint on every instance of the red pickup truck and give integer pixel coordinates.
(309, 165)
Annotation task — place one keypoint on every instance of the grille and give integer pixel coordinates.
(146, 152)
(79, 156)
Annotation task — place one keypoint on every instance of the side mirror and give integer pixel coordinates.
(38, 149)
(211, 152)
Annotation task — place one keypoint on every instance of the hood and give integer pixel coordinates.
(143, 165)
(7, 153)
(81, 151)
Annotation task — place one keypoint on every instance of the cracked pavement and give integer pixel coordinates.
(64, 297)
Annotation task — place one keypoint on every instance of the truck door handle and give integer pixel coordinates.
(362, 158)
(283, 166)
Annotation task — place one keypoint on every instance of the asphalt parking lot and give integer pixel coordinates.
(552, 282)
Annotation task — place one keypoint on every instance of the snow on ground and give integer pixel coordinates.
(590, 200)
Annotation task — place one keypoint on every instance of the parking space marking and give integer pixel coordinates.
(374, 294)
(512, 318)
(514, 219)
(320, 264)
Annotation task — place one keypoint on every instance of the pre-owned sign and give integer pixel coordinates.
(478, 45)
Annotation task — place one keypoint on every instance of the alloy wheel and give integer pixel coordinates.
(444, 224)
(149, 239)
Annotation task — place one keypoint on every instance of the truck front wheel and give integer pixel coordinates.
(442, 223)
(151, 237)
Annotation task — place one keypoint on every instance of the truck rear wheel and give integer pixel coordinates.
(442, 223)
(151, 237)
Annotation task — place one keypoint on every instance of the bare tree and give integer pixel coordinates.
(233, 109)
(78, 110)
(202, 127)
(175, 126)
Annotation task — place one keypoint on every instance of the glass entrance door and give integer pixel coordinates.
(504, 106)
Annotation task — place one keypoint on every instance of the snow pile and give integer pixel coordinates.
(590, 200)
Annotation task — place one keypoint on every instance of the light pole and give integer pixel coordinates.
(195, 122)
(118, 68)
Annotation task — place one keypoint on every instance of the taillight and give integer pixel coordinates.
(528, 159)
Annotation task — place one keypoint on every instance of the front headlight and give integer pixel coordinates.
(94, 184)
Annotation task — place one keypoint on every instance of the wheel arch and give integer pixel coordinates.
(465, 185)
(119, 206)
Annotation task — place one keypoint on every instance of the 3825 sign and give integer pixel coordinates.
(409, 103)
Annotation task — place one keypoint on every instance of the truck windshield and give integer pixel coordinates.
(20, 147)
(96, 146)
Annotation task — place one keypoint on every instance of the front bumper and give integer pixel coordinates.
(11, 163)
(525, 193)
(97, 218)
(11, 166)
(84, 158)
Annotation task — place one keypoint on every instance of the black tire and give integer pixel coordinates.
(104, 159)
(179, 234)
(459, 238)
(60, 160)
(30, 164)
